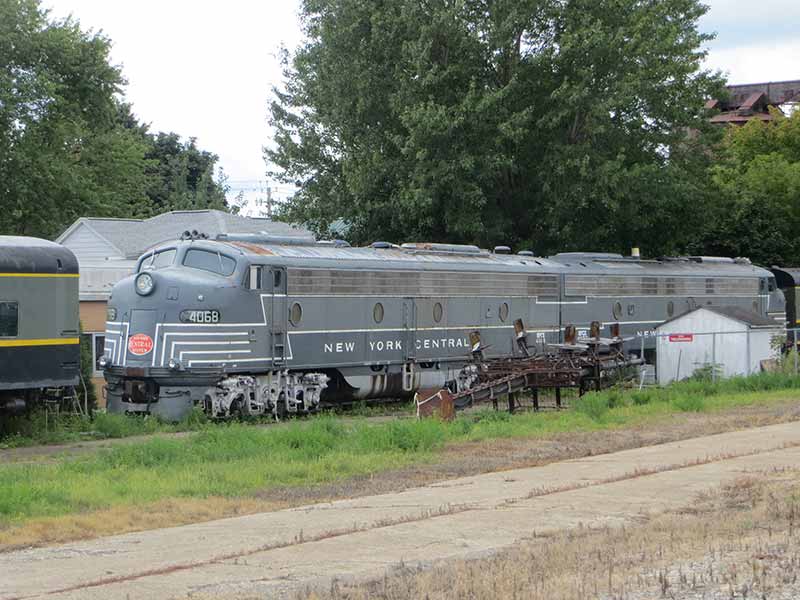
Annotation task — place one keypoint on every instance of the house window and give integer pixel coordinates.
(97, 345)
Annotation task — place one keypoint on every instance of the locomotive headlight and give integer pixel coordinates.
(173, 364)
(111, 314)
(102, 362)
(144, 284)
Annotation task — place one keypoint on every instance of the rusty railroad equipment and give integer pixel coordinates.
(592, 362)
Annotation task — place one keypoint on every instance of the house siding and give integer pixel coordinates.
(88, 246)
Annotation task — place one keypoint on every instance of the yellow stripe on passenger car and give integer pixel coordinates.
(41, 342)
(39, 275)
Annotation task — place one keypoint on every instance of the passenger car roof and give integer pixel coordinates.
(34, 255)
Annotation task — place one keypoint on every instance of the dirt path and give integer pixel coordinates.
(280, 553)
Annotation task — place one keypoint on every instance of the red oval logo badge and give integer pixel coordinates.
(140, 344)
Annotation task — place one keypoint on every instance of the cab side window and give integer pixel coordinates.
(255, 277)
(9, 319)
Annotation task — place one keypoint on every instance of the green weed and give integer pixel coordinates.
(593, 405)
(689, 403)
(236, 459)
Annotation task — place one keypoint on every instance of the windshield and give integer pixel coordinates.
(209, 261)
(158, 260)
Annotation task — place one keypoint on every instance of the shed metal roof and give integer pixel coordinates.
(744, 316)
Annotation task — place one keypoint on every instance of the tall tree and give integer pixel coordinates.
(757, 182)
(183, 175)
(69, 146)
(547, 123)
(62, 154)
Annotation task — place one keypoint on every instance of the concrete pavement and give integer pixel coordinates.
(278, 553)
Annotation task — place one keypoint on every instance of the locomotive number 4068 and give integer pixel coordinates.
(200, 316)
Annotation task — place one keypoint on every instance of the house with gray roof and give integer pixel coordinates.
(98, 240)
(107, 250)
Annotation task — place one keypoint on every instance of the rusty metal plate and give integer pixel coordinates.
(435, 403)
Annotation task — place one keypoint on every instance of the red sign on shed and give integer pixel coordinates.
(681, 337)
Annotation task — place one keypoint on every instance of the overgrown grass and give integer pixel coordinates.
(693, 395)
(39, 428)
(236, 460)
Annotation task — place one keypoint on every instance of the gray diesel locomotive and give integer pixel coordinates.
(39, 340)
(254, 325)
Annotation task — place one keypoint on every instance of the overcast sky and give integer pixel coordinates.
(205, 69)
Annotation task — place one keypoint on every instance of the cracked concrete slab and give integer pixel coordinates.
(278, 553)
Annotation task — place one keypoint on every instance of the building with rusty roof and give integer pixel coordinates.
(753, 101)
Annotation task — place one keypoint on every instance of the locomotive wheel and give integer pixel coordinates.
(280, 408)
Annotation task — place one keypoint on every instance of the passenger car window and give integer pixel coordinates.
(213, 262)
(159, 260)
(9, 319)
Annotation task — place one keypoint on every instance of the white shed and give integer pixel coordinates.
(734, 339)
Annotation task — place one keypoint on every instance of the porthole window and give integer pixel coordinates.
(503, 311)
(295, 314)
(670, 308)
(377, 312)
(631, 310)
(617, 310)
(437, 312)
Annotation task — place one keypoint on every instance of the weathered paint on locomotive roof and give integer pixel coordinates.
(366, 257)
(572, 264)
(34, 256)
(253, 248)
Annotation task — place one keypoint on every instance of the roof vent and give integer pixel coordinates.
(334, 243)
(525, 253)
(587, 256)
(441, 248)
(502, 250)
(711, 259)
(382, 245)
(264, 238)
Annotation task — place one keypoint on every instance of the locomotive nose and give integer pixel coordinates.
(131, 335)
(141, 336)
